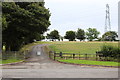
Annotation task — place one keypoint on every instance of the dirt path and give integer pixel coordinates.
(43, 67)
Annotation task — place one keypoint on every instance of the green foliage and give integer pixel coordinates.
(4, 23)
(109, 36)
(110, 51)
(23, 22)
(80, 34)
(99, 39)
(92, 34)
(39, 37)
(53, 35)
(70, 35)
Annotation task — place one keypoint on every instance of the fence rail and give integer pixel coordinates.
(60, 56)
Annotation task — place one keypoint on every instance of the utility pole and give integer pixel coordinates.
(107, 19)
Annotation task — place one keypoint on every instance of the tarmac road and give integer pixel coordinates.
(40, 66)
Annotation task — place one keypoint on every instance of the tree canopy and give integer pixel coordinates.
(53, 35)
(23, 22)
(70, 35)
(109, 36)
(92, 34)
(80, 34)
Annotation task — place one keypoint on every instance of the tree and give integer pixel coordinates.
(48, 36)
(109, 36)
(92, 33)
(39, 37)
(70, 35)
(80, 34)
(99, 39)
(23, 22)
(4, 23)
(53, 35)
(61, 38)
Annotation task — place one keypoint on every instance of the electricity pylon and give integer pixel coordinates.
(107, 19)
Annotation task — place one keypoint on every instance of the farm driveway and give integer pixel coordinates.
(42, 67)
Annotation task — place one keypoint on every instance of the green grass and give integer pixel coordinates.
(103, 63)
(82, 48)
(79, 47)
(10, 61)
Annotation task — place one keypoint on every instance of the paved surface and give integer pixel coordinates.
(42, 67)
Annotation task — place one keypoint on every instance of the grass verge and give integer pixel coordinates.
(89, 62)
(10, 61)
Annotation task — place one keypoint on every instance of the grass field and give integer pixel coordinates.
(80, 47)
(103, 63)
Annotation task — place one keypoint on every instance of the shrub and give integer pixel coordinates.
(110, 51)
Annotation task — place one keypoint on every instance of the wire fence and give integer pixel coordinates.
(15, 55)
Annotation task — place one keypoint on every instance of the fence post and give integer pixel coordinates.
(96, 58)
(65, 57)
(73, 56)
(61, 54)
(86, 56)
(79, 56)
(54, 55)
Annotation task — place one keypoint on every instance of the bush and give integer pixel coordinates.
(110, 51)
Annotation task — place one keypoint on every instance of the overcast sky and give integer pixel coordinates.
(73, 14)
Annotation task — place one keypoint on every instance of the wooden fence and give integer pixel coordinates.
(96, 57)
